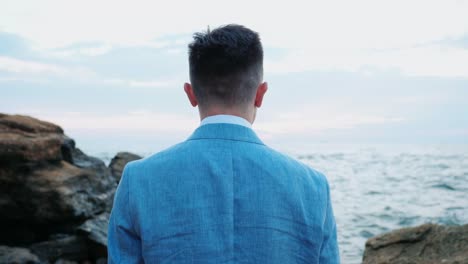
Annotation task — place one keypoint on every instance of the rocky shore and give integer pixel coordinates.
(55, 202)
(54, 199)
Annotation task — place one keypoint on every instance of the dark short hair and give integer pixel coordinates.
(226, 65)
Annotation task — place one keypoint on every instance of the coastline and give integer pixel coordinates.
(56, 200)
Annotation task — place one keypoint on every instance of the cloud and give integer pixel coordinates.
(141, 121)
(35, 71)
(13, 65)
(91, 51)
(98, 49)
(137, 83)
(319, 117)
(304, 125)
(429, 60)
(12, 44)
(356, 24)
(366, 55)
(8, 79)
(152, 83)
(316, 35)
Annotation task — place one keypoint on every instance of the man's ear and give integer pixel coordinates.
(261, 90)
(190, 94)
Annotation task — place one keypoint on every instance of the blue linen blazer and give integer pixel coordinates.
(222, 196)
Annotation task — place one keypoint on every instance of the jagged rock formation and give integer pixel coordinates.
(428, 243)
(49, 190)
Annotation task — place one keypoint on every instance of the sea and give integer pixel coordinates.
(379, 188)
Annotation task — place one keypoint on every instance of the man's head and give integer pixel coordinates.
(226, 70)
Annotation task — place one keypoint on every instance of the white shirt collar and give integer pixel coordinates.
(229, 119)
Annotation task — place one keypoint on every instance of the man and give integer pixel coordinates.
(222, 196)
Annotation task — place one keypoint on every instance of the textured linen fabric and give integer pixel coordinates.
(222, 196)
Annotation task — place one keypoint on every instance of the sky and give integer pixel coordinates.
(111, 73)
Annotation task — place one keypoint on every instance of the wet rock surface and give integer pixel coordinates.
(17, 255)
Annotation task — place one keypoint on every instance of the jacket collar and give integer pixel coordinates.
(227, 132)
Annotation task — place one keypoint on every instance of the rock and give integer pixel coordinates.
(428, 243)
(47, 185)
(68, 146)
(95, 230)
(72, 248)
(16, 255)
(21, 123)
(118, 163)
(101, 261)
(64, 261)
(51, 196)
(24, 138)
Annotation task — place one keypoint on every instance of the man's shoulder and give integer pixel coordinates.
(159, 157)
(186, 152)
(170, 158)
(296, 165)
